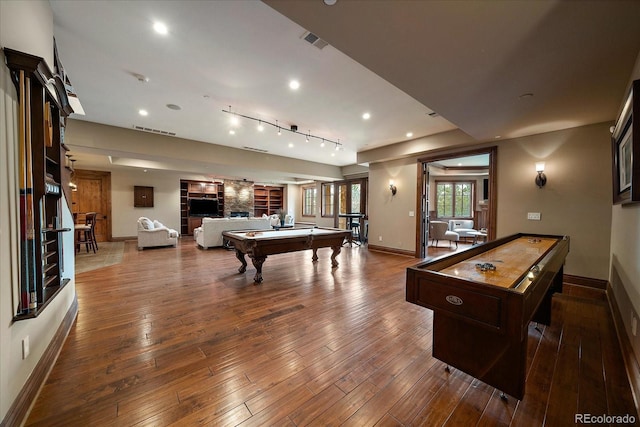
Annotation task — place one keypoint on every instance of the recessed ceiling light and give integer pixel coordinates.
(174, 107)
(160, 28)
(498, 136)
(525, 95)
(330, 2)
(143, 112)
(232, 132)
(294, 85)
(235, 121)
(291, 145)
(260, 126)
(333, 154)
(409, 134)
(366, 116)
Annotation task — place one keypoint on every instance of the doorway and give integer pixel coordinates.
(93, 195)
(479, 174)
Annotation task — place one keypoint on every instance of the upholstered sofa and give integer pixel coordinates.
(462, 227)
(209, 234)
(154, 233)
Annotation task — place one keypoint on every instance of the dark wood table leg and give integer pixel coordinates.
(334, 254)
(314, 258)
(240, 257)
(257, 263)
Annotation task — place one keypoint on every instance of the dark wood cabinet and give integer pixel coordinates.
(42, 108)
(142, 197)
(199, 190)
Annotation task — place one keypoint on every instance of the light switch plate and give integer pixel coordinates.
(534, 216)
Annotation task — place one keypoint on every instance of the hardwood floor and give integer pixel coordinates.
(175, 336)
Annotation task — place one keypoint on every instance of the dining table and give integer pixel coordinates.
(350, 217)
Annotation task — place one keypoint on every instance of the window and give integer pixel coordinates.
(309, 201)
(327, 200)
(454, 199)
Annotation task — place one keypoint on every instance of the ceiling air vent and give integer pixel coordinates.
(259, 150)
(311, 38)
(158, 131)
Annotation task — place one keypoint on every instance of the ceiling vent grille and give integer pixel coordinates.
(259, 150)
(158, 131)
(311, 38)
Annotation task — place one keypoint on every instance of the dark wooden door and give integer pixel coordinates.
(94, 195)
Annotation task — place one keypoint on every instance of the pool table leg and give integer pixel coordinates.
(314, 258)
(336, 252)
(240, 257)
(257, 263)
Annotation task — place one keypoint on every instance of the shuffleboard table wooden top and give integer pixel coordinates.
(511, 261)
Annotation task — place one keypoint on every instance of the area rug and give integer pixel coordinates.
(108, 253)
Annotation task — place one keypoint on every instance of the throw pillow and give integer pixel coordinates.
(157, 224)
(146, 223)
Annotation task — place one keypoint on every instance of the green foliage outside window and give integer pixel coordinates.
(454, 199)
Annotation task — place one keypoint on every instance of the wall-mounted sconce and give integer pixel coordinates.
(541, 178)
(392, 187)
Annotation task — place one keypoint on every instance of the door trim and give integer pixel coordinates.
(105, 178)
(493, 189)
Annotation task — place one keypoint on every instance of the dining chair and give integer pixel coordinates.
(87, 234)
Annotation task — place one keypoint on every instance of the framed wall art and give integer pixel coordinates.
(626, 172)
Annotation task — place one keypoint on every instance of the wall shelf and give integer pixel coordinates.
(42, 109)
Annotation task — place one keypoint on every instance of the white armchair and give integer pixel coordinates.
(289, 220)
(154, 233)
(438, 230)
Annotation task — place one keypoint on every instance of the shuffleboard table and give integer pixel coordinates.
(483, 299)
(259, 244)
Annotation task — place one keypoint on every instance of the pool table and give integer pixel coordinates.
(483, 299)
(259, 244)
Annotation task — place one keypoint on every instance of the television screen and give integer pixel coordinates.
(203, 207)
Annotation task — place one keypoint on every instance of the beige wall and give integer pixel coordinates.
(166, 199)
(624, 274)
(576, 200)
(133, 148)
(390, 223)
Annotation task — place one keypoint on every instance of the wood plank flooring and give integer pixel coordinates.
(175, 336)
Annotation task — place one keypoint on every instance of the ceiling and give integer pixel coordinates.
(493, 69)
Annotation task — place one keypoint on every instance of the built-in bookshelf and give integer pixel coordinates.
(199, 190)
(267, 200)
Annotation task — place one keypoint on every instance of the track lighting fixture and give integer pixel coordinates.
(294, 128)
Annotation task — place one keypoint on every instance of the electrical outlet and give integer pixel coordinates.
(25, 347)
(534, 216)
(412, 213)
(380, 238)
